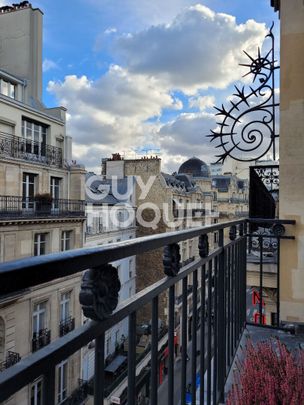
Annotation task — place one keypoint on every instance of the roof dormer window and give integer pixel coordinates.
(7, 88)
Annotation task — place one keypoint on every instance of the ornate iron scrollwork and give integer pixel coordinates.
(248, 131)
(203, 245)
(171, 259)
(278, 229)
(99, 292)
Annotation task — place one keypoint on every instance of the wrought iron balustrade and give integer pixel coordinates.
(66, 326)
(12, 207)
(11, 359)
(41, 339)
(17, 147)
(222, 311)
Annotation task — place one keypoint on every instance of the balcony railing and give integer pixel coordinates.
(12, 207)
(17, 147)
(66, 326)
(222, 311)
(233, 200)
(41, 339)
(11, 359)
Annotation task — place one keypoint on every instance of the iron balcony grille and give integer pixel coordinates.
(66, 326)
(11, 359)
(41, 339)
(17, 147)
(218, 301)
(12, 207)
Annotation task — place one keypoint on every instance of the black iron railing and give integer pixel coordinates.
(12, 207)
(11, 359)
(41, 339)
(66, 326)
(222, 311)
(17, 147)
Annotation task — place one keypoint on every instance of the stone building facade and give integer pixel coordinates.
(110, 219)
(164, 203)
(291, 156)
(41, 202)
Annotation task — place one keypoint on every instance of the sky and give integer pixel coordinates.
(143, 76)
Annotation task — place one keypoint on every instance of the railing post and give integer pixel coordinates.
(99, 370)
(261, 281)
(132, 359)
(154, 351)
(184, 342)
(221, 320)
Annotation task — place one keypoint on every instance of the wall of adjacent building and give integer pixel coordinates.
(291, 157)
(21, 48)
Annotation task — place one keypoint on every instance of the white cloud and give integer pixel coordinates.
(202, 102)
(198, 49)
(110, 30)
(124, 108)
(110, 114)
(49, 64)
(136, 14)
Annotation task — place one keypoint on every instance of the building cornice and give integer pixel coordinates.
(29, 109)
(30, 221)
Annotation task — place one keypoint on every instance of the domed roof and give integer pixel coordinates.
(196, 167)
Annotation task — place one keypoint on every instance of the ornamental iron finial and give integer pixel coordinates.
(203, 245)
(171, 259)
(99, 292)
(247, 131)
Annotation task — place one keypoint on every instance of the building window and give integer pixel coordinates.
(28, 190)
(39, 317)
(35, 137)
(108, 345)
(55, 191)
(130, 292)
(40, 244)
(130, 268)
(116, 337)
(62, 381)
(66, 240)
(7, 88)
(65, 302)
(36, 393)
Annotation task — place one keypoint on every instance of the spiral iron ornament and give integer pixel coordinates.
(247, 131)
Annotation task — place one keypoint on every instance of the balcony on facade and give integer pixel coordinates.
(11, 359)
(29, 150)
(12, 207)
(66, 326)
(41, 339)
(218, 299)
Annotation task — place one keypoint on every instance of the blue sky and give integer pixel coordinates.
(133, 73)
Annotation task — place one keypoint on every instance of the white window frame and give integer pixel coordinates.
(62, 381)
(40, 313)
(35, 135)
(28, 179)
(55, 185)
(66, 239)
(10, 86)
(40, 239)
(65, 306)
(34, 386)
